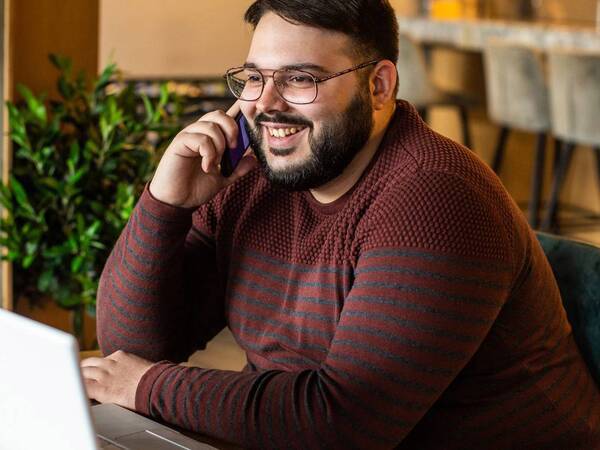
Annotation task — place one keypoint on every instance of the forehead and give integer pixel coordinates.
(277, 43)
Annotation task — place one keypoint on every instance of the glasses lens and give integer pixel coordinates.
(296, 86)
(245, 84)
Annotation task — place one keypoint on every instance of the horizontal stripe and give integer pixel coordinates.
(287, 281)
(281, 309)
(273, 321)
(415, 289)
(130, 285)
(296, 345)
(284, 264)
(398, 338)
(403, 303)
(159, 220)
(373, 350)
(283, 294)
(413, 384)
(387, 269)
(419, 326)
(484, 265)
(129, 300)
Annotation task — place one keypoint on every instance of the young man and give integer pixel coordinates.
(386, 289)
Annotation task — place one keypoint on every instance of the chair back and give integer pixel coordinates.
(414, 84)
(575, 96)
(516, 87)
(576, 267)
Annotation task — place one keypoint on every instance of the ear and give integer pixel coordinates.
(383, 83)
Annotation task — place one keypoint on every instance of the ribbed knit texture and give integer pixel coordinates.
(418, 312)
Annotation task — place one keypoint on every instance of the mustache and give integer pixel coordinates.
(282, 118)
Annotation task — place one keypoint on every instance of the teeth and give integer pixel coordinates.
(283, 132)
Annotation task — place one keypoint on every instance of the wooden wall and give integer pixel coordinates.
(32, 30)
(40, 27)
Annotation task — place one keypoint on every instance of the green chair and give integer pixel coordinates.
(576, 267)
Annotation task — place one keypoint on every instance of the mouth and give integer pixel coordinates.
(283, 135)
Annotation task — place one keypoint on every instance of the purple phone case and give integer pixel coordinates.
(236, 154)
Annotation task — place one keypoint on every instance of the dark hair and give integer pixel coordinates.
(371, 24)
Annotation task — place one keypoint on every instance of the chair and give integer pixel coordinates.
(416, 87)
(576, 267)
(575, 109)
(518, 100)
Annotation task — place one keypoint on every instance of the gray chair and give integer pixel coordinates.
(416, 87)
(576, 267)
(575, 109)
(518, 100)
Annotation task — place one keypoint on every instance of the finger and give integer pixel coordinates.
(212, 130)
(94, 373)
(94, 390)
(227, 124)
(235, 109)
(203, 146)
(93, 362)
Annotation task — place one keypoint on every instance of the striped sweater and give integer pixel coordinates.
(416, 312)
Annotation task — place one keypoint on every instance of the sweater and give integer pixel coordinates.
(417, 311)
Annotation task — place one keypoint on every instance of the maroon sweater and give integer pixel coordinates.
(417, 311)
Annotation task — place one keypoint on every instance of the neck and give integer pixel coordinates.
(337, 187)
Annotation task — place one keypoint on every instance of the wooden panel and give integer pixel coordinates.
(187, 38)
(40, 27)
(32, 30)
(5, 149)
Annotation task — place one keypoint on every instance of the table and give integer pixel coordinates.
(472, 34)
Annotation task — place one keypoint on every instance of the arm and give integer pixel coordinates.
(147, 303)
(144, 305)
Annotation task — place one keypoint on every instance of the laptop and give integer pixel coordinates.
(43, 403)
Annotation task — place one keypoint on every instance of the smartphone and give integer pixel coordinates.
(232, 156)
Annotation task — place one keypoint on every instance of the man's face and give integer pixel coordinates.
(328, 132)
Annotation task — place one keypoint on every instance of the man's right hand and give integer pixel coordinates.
(188, 174)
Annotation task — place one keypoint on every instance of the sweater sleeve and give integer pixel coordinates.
(415, 316)
(160, 295)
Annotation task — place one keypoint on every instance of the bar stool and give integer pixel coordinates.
(518, 100)
(575, 108)
(416, 87)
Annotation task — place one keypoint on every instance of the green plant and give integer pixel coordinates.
(79, 164)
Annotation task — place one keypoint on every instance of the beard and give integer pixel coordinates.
(331, 151)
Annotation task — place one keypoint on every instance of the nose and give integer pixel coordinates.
(271, 100)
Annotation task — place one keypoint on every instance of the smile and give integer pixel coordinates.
(281, 132)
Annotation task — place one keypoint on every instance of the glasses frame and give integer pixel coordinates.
(317, 80)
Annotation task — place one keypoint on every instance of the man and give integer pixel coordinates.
(387, 291)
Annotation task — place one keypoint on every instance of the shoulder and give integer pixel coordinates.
(446, 211)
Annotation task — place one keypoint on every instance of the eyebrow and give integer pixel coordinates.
(300, 66)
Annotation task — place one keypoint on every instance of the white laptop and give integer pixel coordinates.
(43, 404)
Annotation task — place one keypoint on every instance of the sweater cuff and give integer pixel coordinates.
(162, 209)
(143, 393)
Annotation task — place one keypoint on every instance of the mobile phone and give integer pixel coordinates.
(232, 156)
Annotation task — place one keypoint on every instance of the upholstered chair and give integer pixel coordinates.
(576, 267)
(575, 109)
(416, 87)
(518, 100)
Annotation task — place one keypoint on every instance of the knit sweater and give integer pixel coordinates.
(417, 311)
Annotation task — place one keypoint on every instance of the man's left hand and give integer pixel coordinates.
(114, 379)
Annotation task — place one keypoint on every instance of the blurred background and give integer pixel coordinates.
(173, 55)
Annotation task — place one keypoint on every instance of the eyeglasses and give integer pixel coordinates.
(294, 86)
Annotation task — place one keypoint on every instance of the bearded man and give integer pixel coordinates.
(387, 291)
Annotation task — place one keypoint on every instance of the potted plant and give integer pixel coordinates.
(79, 164)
